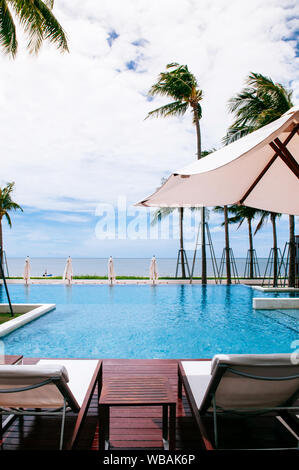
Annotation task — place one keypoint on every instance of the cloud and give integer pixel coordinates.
(72, 126)
(66, 218)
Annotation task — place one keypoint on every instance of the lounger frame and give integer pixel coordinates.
(70, 405)
(210, 400)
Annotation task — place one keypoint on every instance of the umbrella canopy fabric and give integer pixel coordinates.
(68, 271)
(26, 274)
(259, 170)
(153, 270)
(111, 273)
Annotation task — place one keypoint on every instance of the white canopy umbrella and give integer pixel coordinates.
(259, 170)
(26, 274)
(154, 270)
(68, 271)
(111, 273)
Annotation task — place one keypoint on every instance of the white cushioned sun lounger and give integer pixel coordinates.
(50, 387)
(258, 383)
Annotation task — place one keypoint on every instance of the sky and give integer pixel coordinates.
(73, 134)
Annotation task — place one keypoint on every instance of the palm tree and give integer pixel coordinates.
(224, 210)
(238, 215)
(163, 212)
(273, 216)
(259, 103)
(37, 21)
(179, 84)
(6, 205)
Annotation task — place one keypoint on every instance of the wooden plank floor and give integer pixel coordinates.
(132, 427)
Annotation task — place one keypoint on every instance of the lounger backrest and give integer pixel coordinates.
(46, 387)
(263, 389)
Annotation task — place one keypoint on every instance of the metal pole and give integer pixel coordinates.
(5, 285)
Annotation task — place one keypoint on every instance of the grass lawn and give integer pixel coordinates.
(4, 317)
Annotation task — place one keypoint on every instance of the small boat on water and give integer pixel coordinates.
(46, 274)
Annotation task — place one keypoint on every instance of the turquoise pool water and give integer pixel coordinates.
(166, 321)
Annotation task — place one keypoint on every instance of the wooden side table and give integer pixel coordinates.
(146, 390)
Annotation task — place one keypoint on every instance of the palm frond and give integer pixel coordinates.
(6, 215)
(52, 30)
(172, 109)
(39, 24)
(262, 222)
(161, 213)
(8, 38)
(259, 103)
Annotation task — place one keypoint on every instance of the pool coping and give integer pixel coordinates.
(246, 282)
(277, 289)
(275, 303)
(37, 311)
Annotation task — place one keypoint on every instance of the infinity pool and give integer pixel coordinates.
(166, 321)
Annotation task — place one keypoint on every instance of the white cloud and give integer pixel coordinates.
(72, 127)
(66, 218)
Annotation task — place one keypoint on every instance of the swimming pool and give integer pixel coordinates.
(142, 321)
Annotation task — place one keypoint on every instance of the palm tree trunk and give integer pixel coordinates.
(181, 223)
(227, 251)
(250, 249)
(203, 215)
(292, 247)
(275, 254)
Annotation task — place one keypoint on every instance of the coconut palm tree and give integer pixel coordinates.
(6, 205)
(259, 103)
(224, 210)
(179, 84)
(240, 214)
(164, 212)
(37, 21)
(272, 216)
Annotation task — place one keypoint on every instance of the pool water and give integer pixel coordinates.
(141, 321)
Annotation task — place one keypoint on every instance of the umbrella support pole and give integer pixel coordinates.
(182, 255)
(232, 261)
(269, 271)
(251, 255)
(2, 276)
(212, 253)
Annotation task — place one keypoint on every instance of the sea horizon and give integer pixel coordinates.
(124, 266)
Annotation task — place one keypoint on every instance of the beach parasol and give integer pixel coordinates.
(153, 270)
(111, 273)
(68, 271)
(259, 170)
(26, 274)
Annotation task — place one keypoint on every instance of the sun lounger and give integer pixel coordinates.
(50, 387)
(240, 384)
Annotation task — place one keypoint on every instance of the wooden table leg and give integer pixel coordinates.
(180, 383)
(165, 427)
(172, 426)
(104, 425)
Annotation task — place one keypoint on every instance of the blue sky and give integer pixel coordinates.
(72, 129)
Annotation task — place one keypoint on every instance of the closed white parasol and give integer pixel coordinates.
(154, 270)
(68, 271)
(111, 273)
(26, 274)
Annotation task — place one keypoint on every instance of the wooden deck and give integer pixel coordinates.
(138, 427)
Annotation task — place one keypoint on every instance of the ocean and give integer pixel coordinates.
(123, 266)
